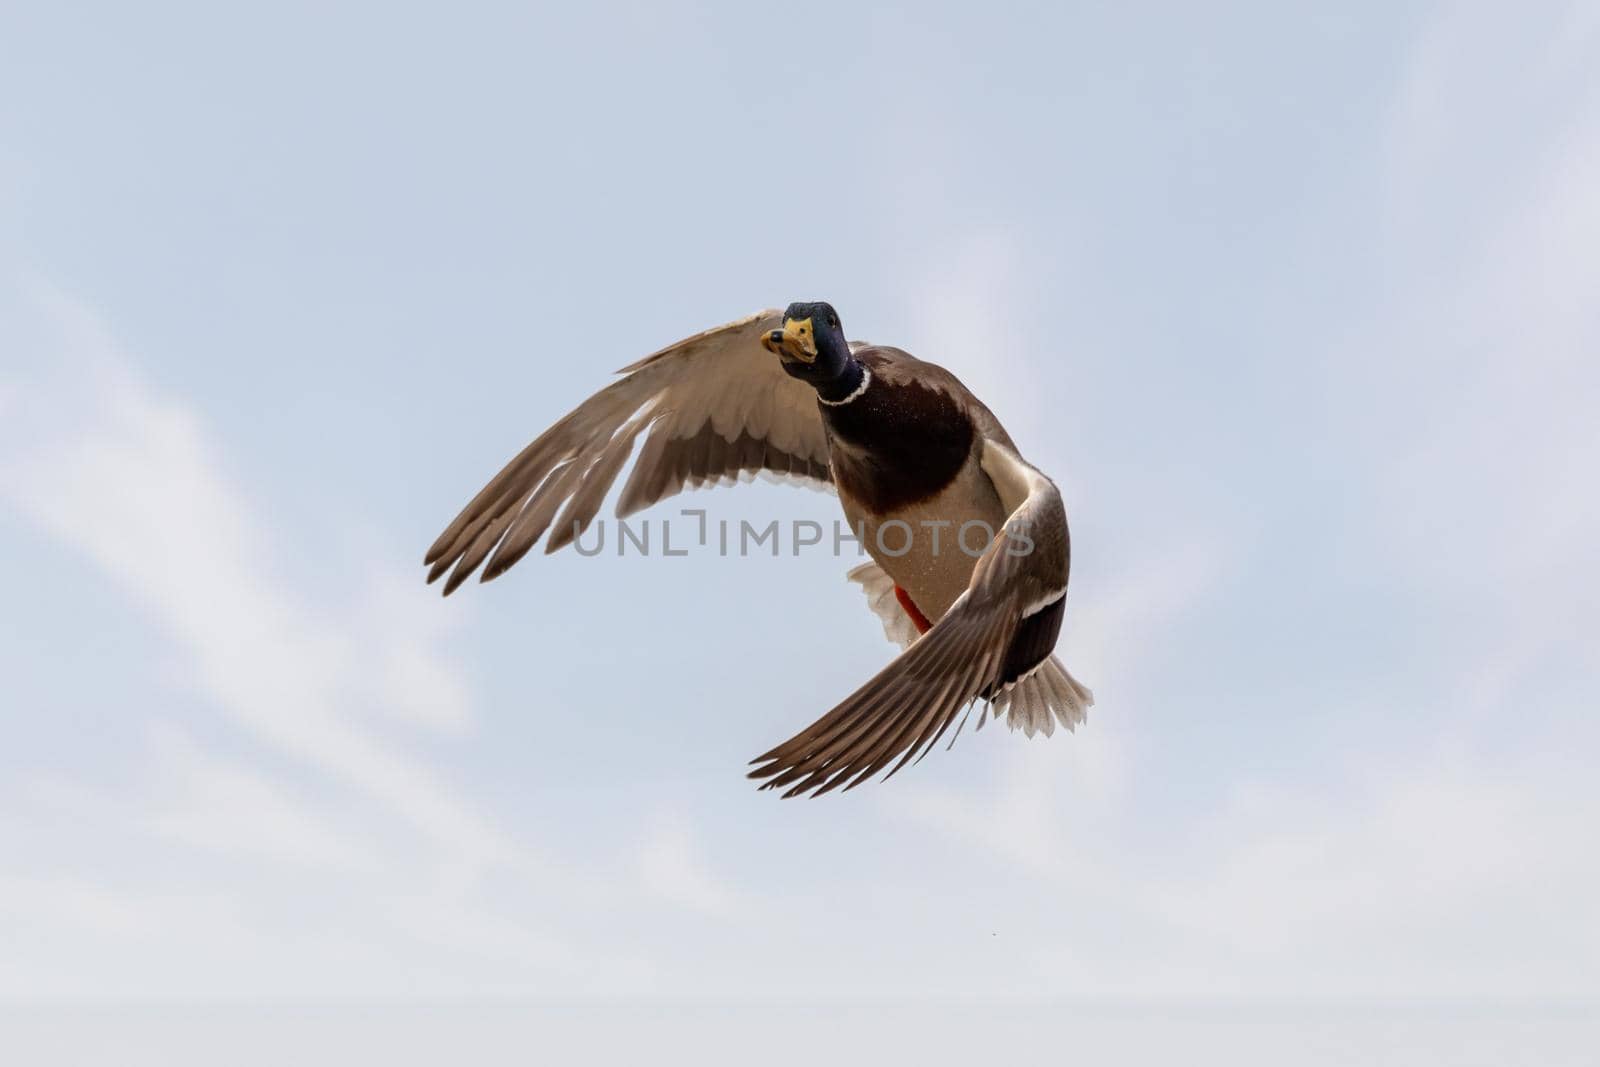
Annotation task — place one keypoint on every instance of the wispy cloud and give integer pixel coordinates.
(1384, 884)
(201, 800)
(671, 866)
(132, 480)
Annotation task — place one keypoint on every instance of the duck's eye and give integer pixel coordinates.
(832, 321)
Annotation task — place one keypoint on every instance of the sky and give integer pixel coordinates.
(1296, 308)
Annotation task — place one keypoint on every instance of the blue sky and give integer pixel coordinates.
(1297, 309)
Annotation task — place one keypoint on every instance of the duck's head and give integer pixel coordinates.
(811, 345)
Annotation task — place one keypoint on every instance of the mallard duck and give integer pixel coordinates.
(911, 453)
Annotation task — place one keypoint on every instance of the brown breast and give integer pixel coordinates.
(897, 444)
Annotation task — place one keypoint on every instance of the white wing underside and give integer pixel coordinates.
(879, 587)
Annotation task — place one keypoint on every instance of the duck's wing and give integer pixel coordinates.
(711, 407)
(1002, 627)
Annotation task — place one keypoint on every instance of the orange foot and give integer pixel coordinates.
(918, 619)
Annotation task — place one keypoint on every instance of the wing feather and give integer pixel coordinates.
(908, 706)
(710, 408)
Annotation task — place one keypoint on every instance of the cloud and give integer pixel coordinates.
(318, 815)
(206, 801)
(670, 866)
(130, 478)
(69, 900)
(1384, 884)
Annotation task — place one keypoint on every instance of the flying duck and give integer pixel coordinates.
(912, 455)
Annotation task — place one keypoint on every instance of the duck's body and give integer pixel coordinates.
(969, 543)
(905, 457)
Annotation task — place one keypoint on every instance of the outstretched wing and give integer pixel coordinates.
(710, 407)
(1004, 625)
